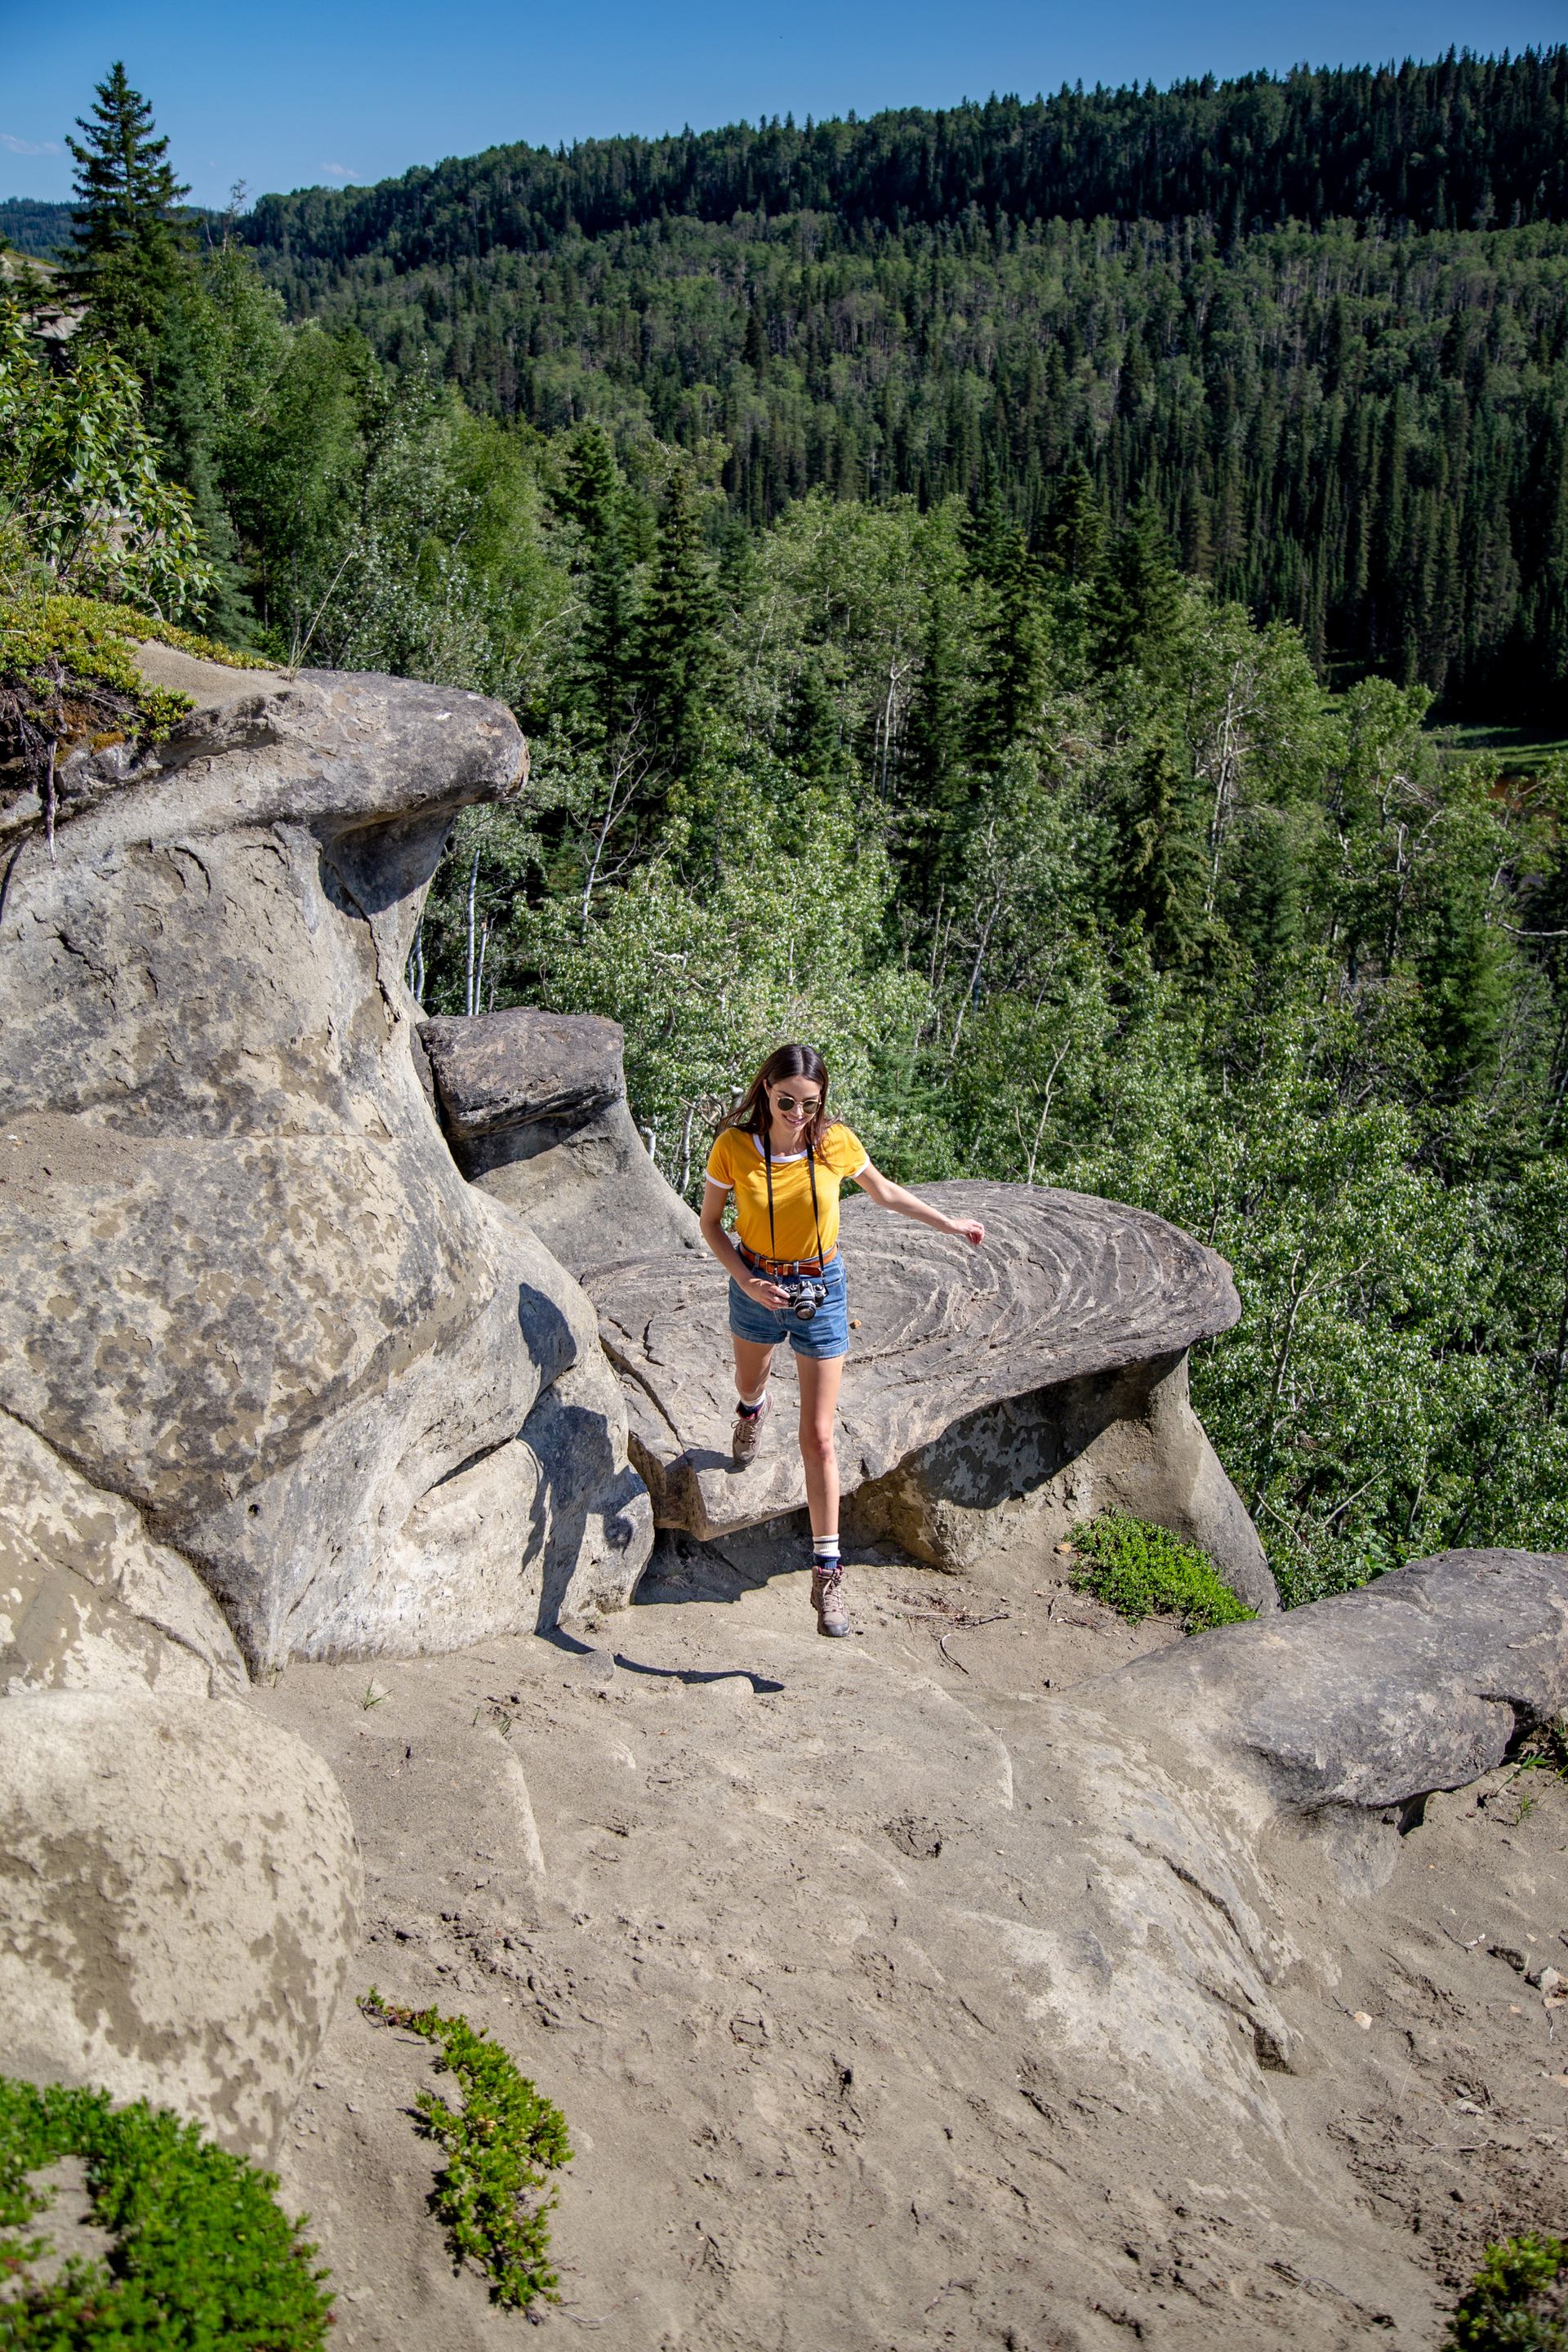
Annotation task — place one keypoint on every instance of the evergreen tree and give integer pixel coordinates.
(1008, 701)
(936, 762)
(1076, 536)
(595, 496)
(1160, 878)
(131, 251)
(677, 639)
(1138, 595)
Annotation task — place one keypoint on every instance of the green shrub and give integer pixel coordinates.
(205, 2258)
(1144, 1571)
(1515, 2302)
(499, 2150)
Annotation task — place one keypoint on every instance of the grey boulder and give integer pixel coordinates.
(1371, 1700)
(535, 1107)
(87, 1600)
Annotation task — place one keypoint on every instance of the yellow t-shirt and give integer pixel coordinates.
(735, 1164)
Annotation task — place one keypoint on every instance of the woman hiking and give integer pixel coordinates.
(784, 1160)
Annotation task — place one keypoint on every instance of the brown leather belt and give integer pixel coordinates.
(785, 1265)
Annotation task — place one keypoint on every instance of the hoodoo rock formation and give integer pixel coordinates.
(1043, 1377)
(1034, 1382)
(250, 1294)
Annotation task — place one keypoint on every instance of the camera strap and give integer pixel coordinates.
(811, 1179)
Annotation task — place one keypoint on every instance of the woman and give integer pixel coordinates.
(784, 1161)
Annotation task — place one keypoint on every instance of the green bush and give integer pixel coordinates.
(499, 2150)
(1142, 1570)
(1515, 2302)
(205, 2258)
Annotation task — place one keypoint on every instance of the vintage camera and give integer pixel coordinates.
(807, 1291)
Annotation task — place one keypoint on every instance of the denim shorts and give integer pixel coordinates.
(827, 1334)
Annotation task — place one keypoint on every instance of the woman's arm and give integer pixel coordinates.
(889, 1196)
(767, 1294)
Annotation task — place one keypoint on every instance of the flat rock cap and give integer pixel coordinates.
(496, 1070)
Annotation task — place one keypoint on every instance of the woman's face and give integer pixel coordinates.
(794, 1103)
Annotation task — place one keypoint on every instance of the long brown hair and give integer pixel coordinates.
(752, 1112)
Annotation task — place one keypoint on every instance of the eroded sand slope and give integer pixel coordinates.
(765, 1915)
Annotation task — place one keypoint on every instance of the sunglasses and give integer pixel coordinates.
(798, 1102)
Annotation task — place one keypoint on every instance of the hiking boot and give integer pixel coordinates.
(827, 1599)
(748, 1433)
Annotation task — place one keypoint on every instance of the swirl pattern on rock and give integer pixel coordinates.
(250, 1294)
(1066, 1287)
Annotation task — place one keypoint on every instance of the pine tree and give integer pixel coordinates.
(130, 248)
(1014, 644)
(1076, 536)
(936, 758)
(1139, 595)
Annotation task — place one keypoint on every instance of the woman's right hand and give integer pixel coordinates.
(766, 1293)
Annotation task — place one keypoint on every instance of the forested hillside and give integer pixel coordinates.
(35, 227)
(1016, 784)
(1468, 142)
(1302, 316)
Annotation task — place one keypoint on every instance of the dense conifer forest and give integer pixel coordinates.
(980, 588)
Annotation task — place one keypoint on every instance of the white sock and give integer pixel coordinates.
(825, 1551)
(752, 1406)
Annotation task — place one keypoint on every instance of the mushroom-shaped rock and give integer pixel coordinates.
(535, 1107)
(247, 1291)
(1047, 1371)
(179, 1893)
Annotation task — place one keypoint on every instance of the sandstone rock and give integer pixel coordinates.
(1371, 1699)
(86, 1600)
(1045, 1371)
(207, 683)
(179, 1889)
(249, 1291)
(535, 1105)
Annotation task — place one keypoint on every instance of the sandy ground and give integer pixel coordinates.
(707, 1875)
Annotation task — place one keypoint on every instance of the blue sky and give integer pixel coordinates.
(297, 94)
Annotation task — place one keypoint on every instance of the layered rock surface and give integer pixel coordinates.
(251, 1295)
(1048, 1368)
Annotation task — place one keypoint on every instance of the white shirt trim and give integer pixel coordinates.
(781, 1159)
(719, 1183)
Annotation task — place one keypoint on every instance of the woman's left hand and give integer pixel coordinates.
(968, 1229)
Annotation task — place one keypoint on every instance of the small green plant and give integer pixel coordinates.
(1545, 1747)
(204, 2259)
(1141, 1570)
(1515, 2303)
(499, 2150)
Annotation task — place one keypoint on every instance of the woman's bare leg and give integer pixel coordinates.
(819, 1378)
(752, 1364)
